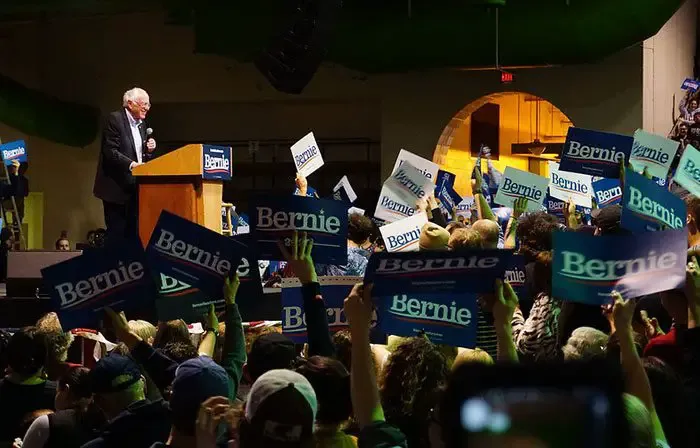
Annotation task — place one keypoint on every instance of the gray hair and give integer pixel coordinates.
(585, 343)
(134, 94)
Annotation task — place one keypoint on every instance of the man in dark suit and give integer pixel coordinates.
(124, 146)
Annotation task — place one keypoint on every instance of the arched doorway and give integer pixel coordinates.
(514, 124)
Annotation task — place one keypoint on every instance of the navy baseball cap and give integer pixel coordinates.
(196, 380)
(114, 373)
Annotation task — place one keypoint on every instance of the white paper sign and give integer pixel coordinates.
(566, 185)
(654, 152)
(403, 235)
(517, 183)
(425, 166)
(307, 155)
(688, 172)
(409, 183)
(345, 184)
(391, 207)
(356, 210)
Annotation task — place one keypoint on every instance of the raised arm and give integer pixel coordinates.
(233, 356)
(504, 305)
(511, 229)
(636, 380)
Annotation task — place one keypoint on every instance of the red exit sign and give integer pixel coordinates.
(506, 77)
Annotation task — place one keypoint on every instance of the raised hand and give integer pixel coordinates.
(299, 257)
(358, 307)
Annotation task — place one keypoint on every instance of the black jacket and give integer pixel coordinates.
(141, 425)
(113, 181)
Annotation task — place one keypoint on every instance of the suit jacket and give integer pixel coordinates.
(113, 181)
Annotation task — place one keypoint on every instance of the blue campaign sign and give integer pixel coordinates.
(515, 275)
(555, 207)
(334, 291)
(180, 300)
(587, 268)
(192, 254)
(434, 292)
(648, 207)
(217, 162)
(324, 220)
(449, 198)
(12, 151)
(595, 153)
(81, 287)
(607, 192)
(445, 178)
(690, 84)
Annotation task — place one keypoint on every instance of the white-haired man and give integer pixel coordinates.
(124, 146)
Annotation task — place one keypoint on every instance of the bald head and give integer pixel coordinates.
(489, 231)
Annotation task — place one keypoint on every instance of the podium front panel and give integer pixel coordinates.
(183, 198)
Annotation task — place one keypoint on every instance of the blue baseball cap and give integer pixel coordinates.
(114, 373)
(196, 380)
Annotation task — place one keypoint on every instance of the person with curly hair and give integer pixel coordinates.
(360, 231)
(414, 372)
(58, 343)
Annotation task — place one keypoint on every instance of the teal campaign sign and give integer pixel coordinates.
(588, 268)
(648, 207)
(688, 172)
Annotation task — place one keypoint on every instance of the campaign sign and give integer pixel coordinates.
(555, 207)
(391, 207)
(180, 300)
(690, 84)
(433, 291)
(307, 155)
(464, 208)
(12, 151)
(448, 197)
(515, 275)
(428, 168)
(191, 253)
(216, 161)
(334, 291)
(595, 153)
(607, 192)
(403, 235)
(343, 191)
(688, 172)
(356, 211)
(324, 220)
(80, 288)
(647, 207)
(517, 184)
(587, 268)
(565, 185)
(409, 183)
(653, 152)
(445, 178)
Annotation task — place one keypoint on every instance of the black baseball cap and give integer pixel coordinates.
(268, 352)
(607, 219)
(114, 373)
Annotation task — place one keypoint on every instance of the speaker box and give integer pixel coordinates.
(292, 58)
(24, 270)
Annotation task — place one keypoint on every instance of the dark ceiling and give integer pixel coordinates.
(378, 36)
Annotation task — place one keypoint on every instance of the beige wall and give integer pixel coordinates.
(668, 60)
(95, 60)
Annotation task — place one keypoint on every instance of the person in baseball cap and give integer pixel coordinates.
(119, 390)
(607, 220)
(433, 237)
(280, 411)
(196, 380)
(269, 351)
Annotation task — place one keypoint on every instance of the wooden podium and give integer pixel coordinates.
(181, 183)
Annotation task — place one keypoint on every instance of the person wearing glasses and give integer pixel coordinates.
(125, 145)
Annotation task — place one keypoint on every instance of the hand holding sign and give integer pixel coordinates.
(299, 257)
(519, 207)
(231, 286)
(622, 313)
(504, 303)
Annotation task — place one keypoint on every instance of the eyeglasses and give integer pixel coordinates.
(143, 105)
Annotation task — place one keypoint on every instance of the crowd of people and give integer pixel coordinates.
(234, 384)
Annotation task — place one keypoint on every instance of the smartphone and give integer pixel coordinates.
(563, 405)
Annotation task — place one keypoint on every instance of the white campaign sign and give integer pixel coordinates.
(425, 166)
(464, 208)
(409, 183)
(517, 183)
(391, 207)
(344, 183)
(403, 235)
(688, 172)
(566, 185)
(356, 210)
(654, 152)
(307, 155)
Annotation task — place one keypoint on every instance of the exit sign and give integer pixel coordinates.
(506, 77)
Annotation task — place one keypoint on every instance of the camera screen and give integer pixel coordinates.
(537, 418)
